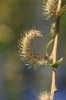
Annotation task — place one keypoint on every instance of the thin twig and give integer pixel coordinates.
(54, 53)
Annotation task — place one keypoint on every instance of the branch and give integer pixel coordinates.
(54, 53)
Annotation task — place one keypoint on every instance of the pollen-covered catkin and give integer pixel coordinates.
(49, 8)
(26, 53)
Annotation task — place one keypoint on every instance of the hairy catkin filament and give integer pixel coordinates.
(49, 8)
(26, 53)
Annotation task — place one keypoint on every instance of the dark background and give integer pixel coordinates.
(17, 82)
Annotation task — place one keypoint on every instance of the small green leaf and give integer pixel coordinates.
(56, 64)
(52, 29)
(48, 45)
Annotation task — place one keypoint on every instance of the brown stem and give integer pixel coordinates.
(54, 53)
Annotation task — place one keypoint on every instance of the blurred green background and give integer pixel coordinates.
(17, 82)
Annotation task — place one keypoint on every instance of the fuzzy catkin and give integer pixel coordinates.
(44, 96)
(49, 8)
(29, 57)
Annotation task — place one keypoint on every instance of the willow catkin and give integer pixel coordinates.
(49, 8)
(44, 96)
(26, 53)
